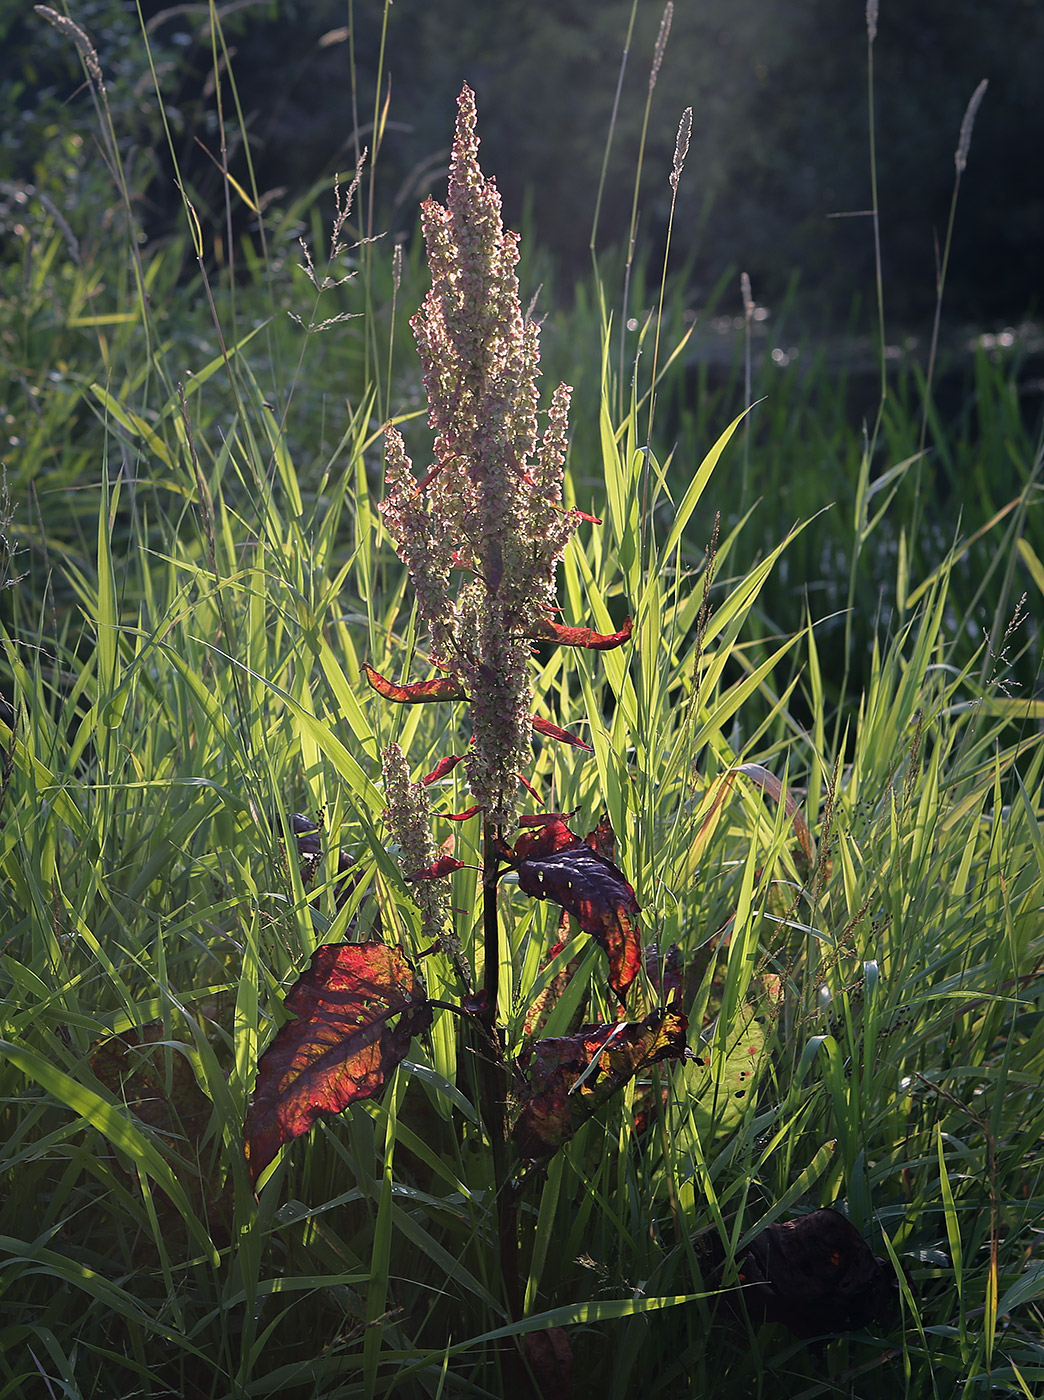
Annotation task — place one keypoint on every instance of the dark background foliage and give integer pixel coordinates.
(779, 135)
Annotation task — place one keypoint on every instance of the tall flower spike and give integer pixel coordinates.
(491, 503)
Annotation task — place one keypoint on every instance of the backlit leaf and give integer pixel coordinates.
(552, 731)
(543, 630)
(445, 865)
(444, 766)
(726, 1079)
(356, 1010)
(569, 1078)
(417, 692)
(554, 863)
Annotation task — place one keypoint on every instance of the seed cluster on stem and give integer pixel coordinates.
(491, 503)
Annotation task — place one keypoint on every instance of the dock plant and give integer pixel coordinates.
(481, 532)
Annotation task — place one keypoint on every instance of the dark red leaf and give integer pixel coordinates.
(552, 731)
(550, 1358)
(161, 1090)
(603, 839)
(665, 971)
(460, 816)
(545, 1001)
(528, 786)
(553, 863)
(568, 1078)
(816, 1275)
(544, 630)
(542, 818)
(418, 692)
(445, 865)
(341, 1046)
(444, 766)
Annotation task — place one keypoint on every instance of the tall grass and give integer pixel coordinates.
(182, 663)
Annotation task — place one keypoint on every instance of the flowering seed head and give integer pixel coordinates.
(491, 503)
(408, 816)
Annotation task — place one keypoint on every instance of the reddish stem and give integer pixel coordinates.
(493, 1080)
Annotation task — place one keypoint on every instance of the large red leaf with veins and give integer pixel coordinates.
(568, 1078)
(356, 1009)
(553, 863)
(417, 692)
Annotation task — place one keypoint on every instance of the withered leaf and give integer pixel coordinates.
(543, 630)
(444, 766)
(569, 1078)
(162, 1092)
(552, 731)
(356, 1009)
(816, 1275)
(417, 692)
(553, 863)
(444, 865)
(550, 1358)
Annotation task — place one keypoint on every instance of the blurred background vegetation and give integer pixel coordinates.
(779, 139)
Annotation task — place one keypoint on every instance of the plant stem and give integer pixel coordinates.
(493, 1077)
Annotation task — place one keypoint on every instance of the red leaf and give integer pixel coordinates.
(460, 816)
(544, 726)
(603, 839)
(571, 1077)
(543, 630)
(528, 785)
(162, 1091)
(340, 1047)
(444, 766)
(665, 970)
(445, 865)
(417, 693)
(553, 863)
(550, 1358)
(542, 818)
(545, 1001)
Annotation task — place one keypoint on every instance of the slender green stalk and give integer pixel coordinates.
(960, 160)
(632, 233)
